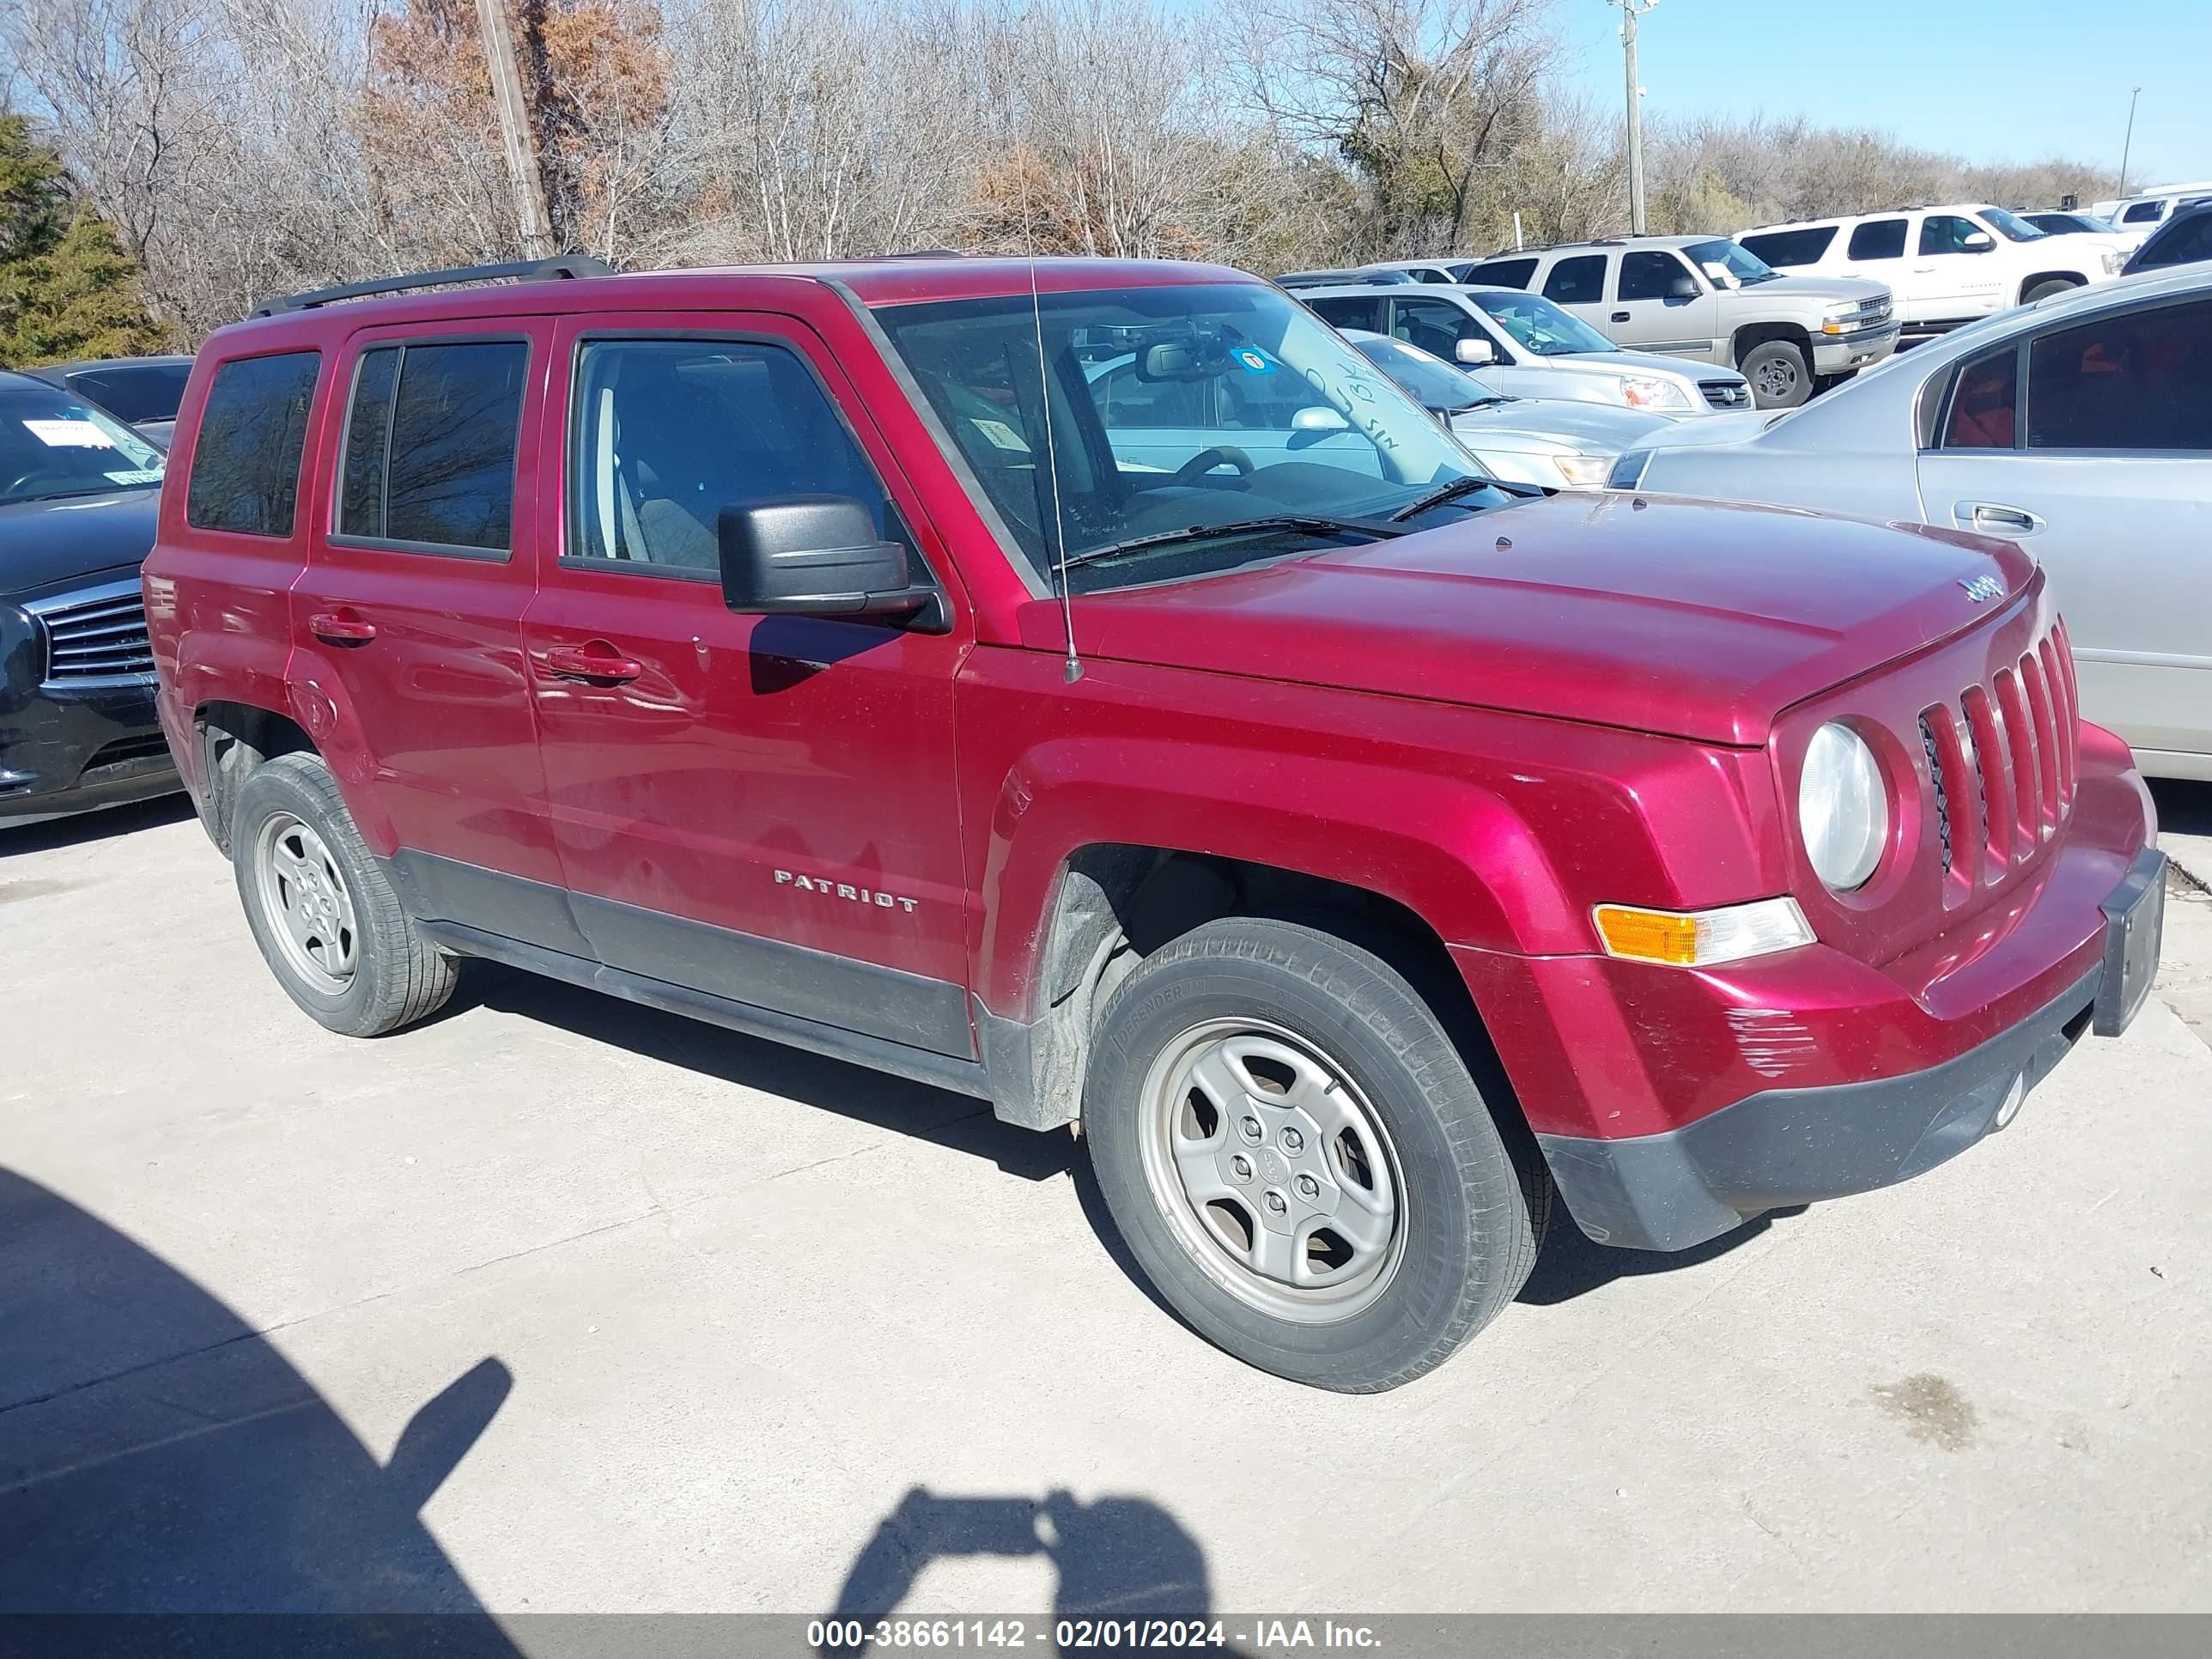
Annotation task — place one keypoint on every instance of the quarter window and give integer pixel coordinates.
(665, 434)
(246, 461)
(2141, 380)
(431, 444)
(1878, 239)
(1577, 282)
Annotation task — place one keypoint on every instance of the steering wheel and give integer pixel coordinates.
(1206, 459)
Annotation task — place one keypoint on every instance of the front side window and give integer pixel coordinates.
(1878, 239)
(1436, 326)
(1947, 233)
(1646, 275)
(246, 461)
(1541, 326)
(2139, 381)
(1577, 282)
(2181, 243)
(431, 445)
(54, 445)
(1985, 403)
(665, 434)
(1289, 420)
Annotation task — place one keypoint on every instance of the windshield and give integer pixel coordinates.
(2013, 225)
(1170, 407)
(1432, 380)
(1736, 261)
(1540, 326)
(52, 444)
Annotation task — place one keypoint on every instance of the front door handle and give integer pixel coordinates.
(1995, 518)
(1619, 316)
(596, 662)
(341, 628)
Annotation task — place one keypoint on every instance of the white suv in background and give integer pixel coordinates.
(1946, 265)
(2146, 212)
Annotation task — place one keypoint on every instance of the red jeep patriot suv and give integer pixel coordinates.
(1091, 686)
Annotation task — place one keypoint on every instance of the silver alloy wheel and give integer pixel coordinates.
(305, 900)
(1777, 378)
(1274, 1171)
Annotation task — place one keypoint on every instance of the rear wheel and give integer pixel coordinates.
(1779, 375)
(327, 920)
(1299, 1160)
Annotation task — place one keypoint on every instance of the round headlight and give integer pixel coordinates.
(1843, 809)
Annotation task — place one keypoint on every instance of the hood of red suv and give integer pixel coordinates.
(1691, 618)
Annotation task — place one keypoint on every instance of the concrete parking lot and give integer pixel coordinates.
(633, 1314)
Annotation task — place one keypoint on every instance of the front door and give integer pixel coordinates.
(1946, 280)
(760, 808)
(408, 619)
(1649, 311)
(2108, 481)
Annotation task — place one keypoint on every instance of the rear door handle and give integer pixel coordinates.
(1995, 518)
(341, 628)
(595, 662)
(1619, 316)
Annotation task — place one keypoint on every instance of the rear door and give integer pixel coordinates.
(1577, 282)
(1875, 249)
(760, 808)
(409, 618)
(2092, 445)
(1650, 313)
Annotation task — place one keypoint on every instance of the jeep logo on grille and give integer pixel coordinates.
(1982, 589)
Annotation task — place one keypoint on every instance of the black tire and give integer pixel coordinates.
(2044, 289)
(398, 976)
(1466, 1234)
(1779, 375)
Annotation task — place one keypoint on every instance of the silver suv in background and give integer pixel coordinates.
(1706, 298)
(1526, 347)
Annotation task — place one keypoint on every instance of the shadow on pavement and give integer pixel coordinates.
(1117, 1559)
(81, 827)
(851, 1090)
(157, 1455)
(1571, 1265)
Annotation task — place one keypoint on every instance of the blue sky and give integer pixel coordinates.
(1990, 79)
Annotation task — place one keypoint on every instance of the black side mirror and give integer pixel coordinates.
(813, 556)
(1683, 286)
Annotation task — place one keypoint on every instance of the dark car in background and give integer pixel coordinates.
(2184, 240)
(143, 391)
(78, 491)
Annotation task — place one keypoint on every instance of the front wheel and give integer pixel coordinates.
(1299, 1160)
(1779, 375)
(2044, 289)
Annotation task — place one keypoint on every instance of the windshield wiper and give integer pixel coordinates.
(1314, 523)
(1438, 497)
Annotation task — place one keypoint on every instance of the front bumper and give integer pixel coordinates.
(1675, 1190)
(1846, 353)
(62, 752)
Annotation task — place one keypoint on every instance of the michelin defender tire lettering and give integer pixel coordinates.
(393, 977)
(1468, 1216)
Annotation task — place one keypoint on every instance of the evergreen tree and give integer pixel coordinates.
(67, 290)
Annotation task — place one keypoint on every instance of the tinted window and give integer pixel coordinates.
(1647, 276)
(1577, 282)
(2183, 242)
(1500, 273)
(1792, 248)
(2142, 380)
(1348, 312)
(1985, 402)
(1947, 233)
(138, 392)
(1425, 275)
(665, 434)
(1878, 239)
(246, 463)
(2143, 213)
(431, 444)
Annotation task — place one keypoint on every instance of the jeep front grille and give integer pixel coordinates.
(95, 634)
(2015, 736)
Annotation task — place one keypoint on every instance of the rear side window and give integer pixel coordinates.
(1577, 282)
(1984, 407)
(135, 392)
(2140, 381)
(245, 462)
(1878, 239)
(1794, 247)
(430, 443)
(2143, 213)
(1348, 312)
(1500, 273)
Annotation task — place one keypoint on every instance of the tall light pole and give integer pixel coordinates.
(2128, 142)
(1630, 11)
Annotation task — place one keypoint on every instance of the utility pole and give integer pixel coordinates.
(515, 130)
(1630, 11)
(2128, 142)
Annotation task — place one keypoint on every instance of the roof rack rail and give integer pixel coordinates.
(567, 264)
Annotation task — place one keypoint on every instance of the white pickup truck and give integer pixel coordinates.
(1946, 265)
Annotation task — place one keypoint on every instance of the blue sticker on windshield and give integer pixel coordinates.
(1255, 362)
